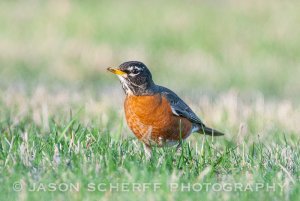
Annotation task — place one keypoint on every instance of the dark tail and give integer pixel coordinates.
(209, 131)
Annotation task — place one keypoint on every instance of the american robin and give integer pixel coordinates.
(155, 114)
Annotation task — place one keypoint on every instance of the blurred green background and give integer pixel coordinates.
(205, 46)
(236, 63)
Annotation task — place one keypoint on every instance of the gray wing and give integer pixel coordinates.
(179, 107)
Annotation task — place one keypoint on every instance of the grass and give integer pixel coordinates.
(62, 129)
(88, 156)
(57, 153)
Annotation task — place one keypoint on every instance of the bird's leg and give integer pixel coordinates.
(148, 151)
(147, 138)
(179, 148)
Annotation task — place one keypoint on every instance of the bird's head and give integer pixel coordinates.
(135, 77)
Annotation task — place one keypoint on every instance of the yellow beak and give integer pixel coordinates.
(116, 71)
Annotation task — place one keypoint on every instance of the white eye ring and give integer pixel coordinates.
(135, 71)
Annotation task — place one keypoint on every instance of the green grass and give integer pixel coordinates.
(67, 154)
(61, 119)
(86, 156)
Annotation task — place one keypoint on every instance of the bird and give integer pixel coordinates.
(156, 115)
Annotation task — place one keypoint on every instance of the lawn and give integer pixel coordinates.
(63, 135)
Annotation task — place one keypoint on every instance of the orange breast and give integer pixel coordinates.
(151, 120)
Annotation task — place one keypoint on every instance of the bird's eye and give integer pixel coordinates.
(135, 71)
